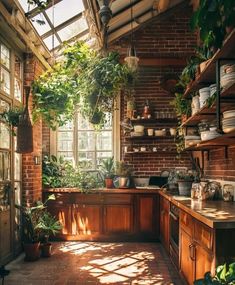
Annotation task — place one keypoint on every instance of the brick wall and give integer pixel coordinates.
(31, 173)
(170, 38)
(219, 164)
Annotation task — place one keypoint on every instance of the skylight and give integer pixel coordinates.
(58, 23)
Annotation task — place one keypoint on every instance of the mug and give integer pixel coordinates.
(150, 132)
(143, 148)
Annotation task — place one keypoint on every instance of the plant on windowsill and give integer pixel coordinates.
(123, 173)
(11, 117)
(225, 275)
(107, 169)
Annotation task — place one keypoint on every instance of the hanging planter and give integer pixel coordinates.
(25, 129)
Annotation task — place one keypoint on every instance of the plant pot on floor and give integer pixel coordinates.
(184, 187)
(32, 251)
(46, 249)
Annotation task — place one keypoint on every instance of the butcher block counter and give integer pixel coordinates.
(215, 214)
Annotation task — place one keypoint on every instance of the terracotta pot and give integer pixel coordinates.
(32, 251)
(46, 249)
(108, 183)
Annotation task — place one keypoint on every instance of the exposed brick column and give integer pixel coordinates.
(31, 173)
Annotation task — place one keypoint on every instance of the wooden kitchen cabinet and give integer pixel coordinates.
(164, 222)
(196, 248)
(186, 256)
(147, 214)
(107, 216)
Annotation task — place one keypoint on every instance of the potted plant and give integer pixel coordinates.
(123, 173)
(48, 225)
(182, 106)
(30, 230)
(107, 169)
(185, 179)
(225, 275)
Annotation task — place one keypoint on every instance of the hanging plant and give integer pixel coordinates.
(83, 80)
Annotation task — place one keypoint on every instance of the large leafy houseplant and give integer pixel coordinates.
(211, 18)
(225, 275)
(85, 80)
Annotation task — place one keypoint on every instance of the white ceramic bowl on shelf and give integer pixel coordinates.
(160, 133)
(138, 129)
(229, 114)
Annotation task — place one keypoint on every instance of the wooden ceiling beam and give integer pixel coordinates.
(11, 21)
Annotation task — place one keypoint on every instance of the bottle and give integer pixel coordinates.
(146, 112)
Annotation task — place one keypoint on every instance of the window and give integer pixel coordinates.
(78, 141)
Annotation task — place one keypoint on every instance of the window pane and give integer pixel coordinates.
(17, 166)
(73, 29)
(65, 141)
(86, 140)
(103, 155)
(4, 136)
(4, 106)
(5, 56)
(84, 124)
(17, 193)
(104, 140)
(17, 67)
(67, 127)
(67, 155)
(65, 10)
(37, 23)
(17, 90)
(5, 80)
(88, 158)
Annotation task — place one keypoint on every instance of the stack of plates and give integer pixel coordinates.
(227, 73)
(191, 140)
(228, 122)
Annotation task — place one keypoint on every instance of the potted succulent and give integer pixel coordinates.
(30, 230)
(123, 174)
(107, 169)
(48, 225)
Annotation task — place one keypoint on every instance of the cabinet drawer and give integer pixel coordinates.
(117, 199)
(186, 222)
(203, 235)
(87, 199)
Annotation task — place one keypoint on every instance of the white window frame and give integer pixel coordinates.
(115, 135)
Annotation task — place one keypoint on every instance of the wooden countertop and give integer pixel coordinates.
(147, 190)
(215, 214)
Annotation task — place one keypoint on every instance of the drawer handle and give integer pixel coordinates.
(192, 251)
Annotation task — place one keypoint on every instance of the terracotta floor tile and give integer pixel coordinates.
(93, 263)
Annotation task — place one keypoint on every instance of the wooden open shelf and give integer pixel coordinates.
(149, 137)
(208, 75)
(154, 121)
(223, 140)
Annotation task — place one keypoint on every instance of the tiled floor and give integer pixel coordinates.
(93, 263)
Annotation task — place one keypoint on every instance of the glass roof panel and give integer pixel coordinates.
(65, 10)
(49, 42)
(73, 29)
(26, 6)
(42, 27)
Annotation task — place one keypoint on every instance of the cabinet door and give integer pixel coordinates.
(86, 220)
(164, 222)
(203, 262)
(118, 219)
(186, 257)
(148, 216)
(63, 214)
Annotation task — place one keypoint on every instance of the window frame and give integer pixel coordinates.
(115, 137)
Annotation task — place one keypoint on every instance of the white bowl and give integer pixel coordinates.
(160, 133)
(209, 135)
(138, 129)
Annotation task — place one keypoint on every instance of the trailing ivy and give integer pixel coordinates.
(84, 80)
